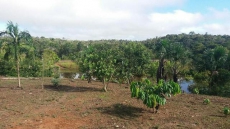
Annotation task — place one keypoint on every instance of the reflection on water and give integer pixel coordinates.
(70, 75)
(184, 85)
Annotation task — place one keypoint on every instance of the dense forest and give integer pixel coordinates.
(203, 58)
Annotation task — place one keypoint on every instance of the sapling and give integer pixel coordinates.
(226, 111)
(196, 90)
(55, 81)
(206, 101)
(154, 95)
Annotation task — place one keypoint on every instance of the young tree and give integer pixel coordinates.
(17, 36)
(49, 58)
(133, 60)
(98, 60)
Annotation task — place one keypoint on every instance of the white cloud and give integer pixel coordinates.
(174, 22)
(220, 14)
(108, 19)
(218, 29)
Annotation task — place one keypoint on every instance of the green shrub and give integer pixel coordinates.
(206, 101)
(226, 110)
(154, 95)
(55, 81)
(196, 90)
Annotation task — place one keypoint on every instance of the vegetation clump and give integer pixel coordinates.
(154, 95)
(226, 111)
(55, 82)
(206, 101)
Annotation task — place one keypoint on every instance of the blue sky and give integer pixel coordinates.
(202, 6)
(116, 19)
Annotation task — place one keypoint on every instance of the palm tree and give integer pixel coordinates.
(161, 52)
(13, 32)
(178, 57)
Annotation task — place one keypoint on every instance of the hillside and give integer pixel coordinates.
(81, 105)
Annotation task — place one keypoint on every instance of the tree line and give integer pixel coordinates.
(204, 58)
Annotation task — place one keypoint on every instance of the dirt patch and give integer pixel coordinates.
(79, 105)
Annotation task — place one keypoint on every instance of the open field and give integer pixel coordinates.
(79, 105)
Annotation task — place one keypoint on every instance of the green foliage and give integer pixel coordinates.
(98, 60)
(17, 37)
(126, 60)
(8, 68)
(152, 70)
(83, 77)
(196, 91)
(31, 68)
(215, 83)
(151, 94)
(132, 60)
(226, 111)
(49, 58)
(206, 101)
(55, 82)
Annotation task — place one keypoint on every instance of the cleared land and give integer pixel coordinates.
(79, 105)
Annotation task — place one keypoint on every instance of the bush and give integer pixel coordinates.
(55, 81)
(154, 95)
(226, 111)
(206, 101)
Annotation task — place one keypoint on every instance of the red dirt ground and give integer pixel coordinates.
(79, 105)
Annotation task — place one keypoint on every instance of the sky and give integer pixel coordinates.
(116, 19)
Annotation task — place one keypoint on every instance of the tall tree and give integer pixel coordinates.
(133, 60)
(178, 59)
(98, 60)
(161, 52)
(12, 31)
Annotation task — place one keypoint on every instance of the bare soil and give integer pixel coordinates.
(79, 105)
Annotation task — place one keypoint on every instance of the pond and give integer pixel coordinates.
(68, 73)
(184, 85)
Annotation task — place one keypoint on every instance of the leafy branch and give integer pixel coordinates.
(154, 95)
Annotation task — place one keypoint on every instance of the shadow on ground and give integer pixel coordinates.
(66, 88)
(121, 111)
(217, 115)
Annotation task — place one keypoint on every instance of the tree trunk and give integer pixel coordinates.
(42, 73)
(128, 81)
(18, 63)
(175, 77)
(18, 70)
(105, 85)
(89, 77)
(160, 70)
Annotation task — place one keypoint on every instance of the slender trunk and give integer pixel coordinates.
(89, 76)
(128, 81)
(89, 79)
(42, 73)
(105, 85)
(18, 63)
(18, 70)
(160, 71)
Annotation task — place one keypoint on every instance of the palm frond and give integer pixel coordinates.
(11, 29)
